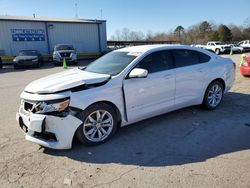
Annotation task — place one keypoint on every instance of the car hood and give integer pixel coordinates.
(224, 45)
(17, 58)
(65, 80)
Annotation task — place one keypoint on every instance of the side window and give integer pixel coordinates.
(203, 58)
(184, 58)
(156, 62)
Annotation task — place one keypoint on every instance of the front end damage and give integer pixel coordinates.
(46, 114)
(50, 123)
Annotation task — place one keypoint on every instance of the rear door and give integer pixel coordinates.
(192, 71)
(154, 94)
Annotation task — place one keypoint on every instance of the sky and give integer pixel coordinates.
(136, 15)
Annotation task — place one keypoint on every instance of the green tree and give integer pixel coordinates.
(214, 35)
(204, 28)
(225, 33)
(179, 30)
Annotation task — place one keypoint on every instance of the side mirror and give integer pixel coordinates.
(138, 73)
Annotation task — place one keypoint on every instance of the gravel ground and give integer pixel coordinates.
(186, 148)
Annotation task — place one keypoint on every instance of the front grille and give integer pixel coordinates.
(65, 54)
(31, 107)
(46, 136)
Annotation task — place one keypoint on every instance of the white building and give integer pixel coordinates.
(42, 34)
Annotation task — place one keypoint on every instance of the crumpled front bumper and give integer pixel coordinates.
(37, 125)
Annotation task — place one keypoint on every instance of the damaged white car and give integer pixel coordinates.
(120, 88)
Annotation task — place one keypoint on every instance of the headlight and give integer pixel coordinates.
(55, 54)
(45, 107)
(34, 60)
(73, 55)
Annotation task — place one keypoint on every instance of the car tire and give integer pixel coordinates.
(217, 51)
(38, 65)
(99, 124)
(56, 63)
(213, 95)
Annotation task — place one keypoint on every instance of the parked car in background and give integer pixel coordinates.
(245, 67)
(218, 47)
(245, 44)
(237, 48)
(28, 58)
(120, 88)
(1, 63)
(64, 51)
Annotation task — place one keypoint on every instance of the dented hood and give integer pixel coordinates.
(65, 80)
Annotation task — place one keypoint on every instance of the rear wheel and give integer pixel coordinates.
(99, 124)
(213, 95)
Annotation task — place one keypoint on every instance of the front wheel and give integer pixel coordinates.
(217, 51)
(99, 124)
(213, 95)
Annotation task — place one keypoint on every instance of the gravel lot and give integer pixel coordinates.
(186, 148)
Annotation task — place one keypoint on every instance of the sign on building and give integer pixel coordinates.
(28, 34)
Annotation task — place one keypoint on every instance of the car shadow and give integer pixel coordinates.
(185, 136)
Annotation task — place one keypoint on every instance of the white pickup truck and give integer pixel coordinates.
(217, 47)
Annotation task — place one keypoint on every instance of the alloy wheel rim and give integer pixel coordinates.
(215, 95)
(98, 126)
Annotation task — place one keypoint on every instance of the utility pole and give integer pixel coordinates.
(76, 11)
(101, 13)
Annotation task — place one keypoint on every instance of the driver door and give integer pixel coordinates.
(146, 97)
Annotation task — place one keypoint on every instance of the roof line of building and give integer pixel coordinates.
(40, 19)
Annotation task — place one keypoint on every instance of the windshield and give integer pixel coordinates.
(112, 63)
(28, 53)
(218, 43)
(64, 47)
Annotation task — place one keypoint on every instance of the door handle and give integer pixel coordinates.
(168, 76)
(200, 70)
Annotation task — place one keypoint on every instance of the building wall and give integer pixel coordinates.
(86, 37)
(11, 47)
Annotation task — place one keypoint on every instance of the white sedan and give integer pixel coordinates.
(237, 48)
(120, 88)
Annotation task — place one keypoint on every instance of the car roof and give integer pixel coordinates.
(145, 48)
(150, 48)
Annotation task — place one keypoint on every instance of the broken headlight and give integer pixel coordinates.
(46, 107)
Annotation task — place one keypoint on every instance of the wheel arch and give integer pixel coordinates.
(219, 80)
(117, 111)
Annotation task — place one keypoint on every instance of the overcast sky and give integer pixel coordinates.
(137, 15)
